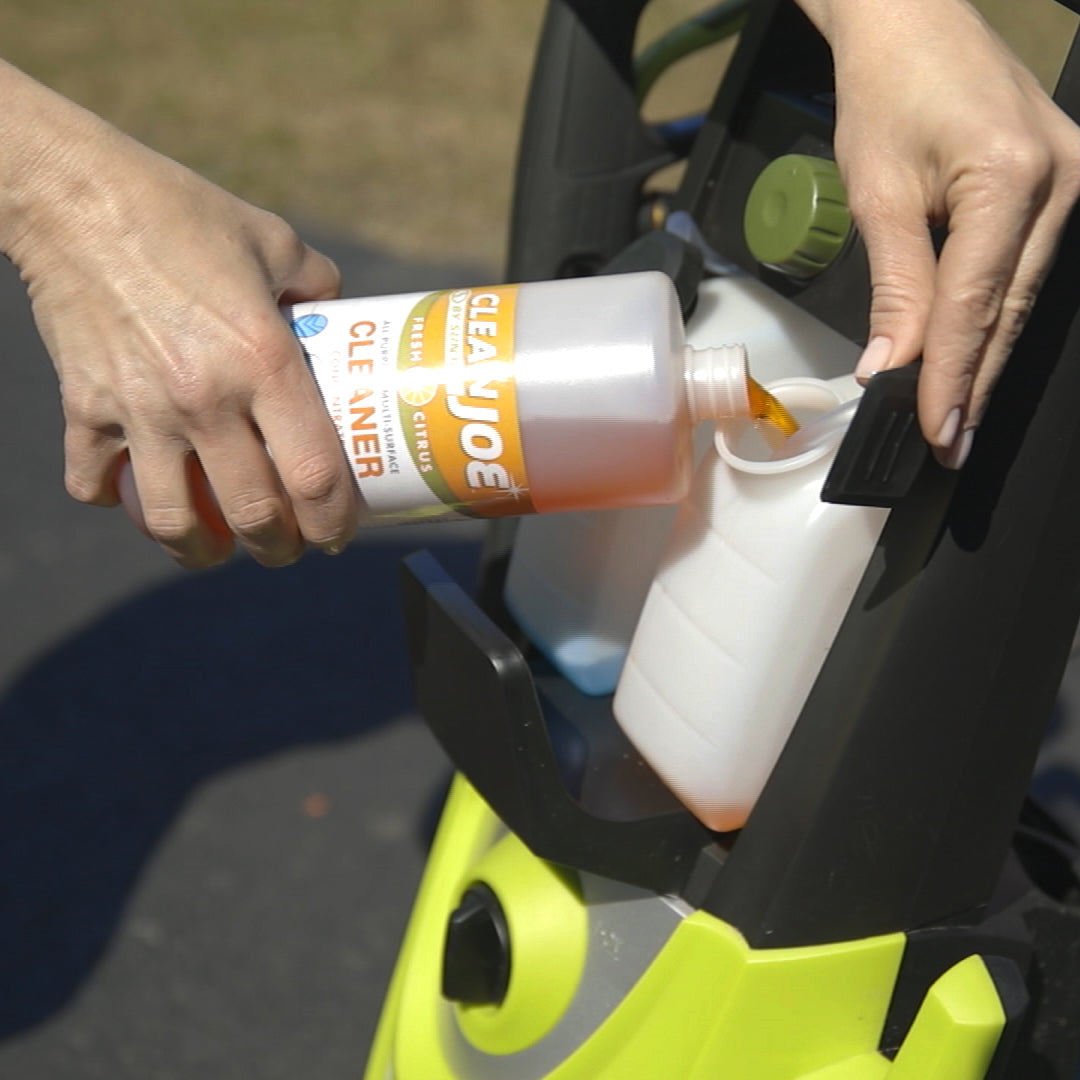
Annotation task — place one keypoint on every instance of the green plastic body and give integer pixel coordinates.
(708, 1006)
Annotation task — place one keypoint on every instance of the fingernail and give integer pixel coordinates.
(952, 446)
(335, 548)
(958, 452)
(946, 435)
(875, 358)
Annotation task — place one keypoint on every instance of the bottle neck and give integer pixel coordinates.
(717, 382)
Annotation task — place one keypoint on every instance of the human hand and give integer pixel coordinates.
(157, 295)
(939, 124)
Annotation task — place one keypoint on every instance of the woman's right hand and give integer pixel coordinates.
(157, 295)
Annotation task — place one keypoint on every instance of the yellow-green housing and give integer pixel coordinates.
(708, 1008)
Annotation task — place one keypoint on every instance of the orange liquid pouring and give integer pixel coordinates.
(764, 407)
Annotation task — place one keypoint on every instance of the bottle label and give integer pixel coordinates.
(422, 392)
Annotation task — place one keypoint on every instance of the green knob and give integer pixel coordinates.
(797, 218)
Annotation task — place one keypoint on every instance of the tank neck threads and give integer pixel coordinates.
(717, 382)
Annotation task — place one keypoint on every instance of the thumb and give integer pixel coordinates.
(315, 277)
(902, 272)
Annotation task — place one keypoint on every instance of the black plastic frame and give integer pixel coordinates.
(895, 804)
(585, 152)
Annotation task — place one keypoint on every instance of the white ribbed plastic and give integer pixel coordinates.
(577, 582)
(716, 380)
(754, 584)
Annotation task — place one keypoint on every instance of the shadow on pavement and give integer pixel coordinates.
(105, 737)
(124, 687)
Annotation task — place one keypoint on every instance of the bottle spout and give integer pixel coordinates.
(717, 382)
(719, 387)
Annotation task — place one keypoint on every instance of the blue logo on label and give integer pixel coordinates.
(305, 326)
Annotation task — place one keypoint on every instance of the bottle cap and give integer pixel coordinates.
(716, 382)
(797, 218)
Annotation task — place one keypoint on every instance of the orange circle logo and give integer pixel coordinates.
(416, 387)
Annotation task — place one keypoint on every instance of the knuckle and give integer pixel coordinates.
(86, 404)
(83, 488)
(896, 293)
(284, 248)
(892, 292)
(869, 206)
(79, 411)
(89, 458)
(281, 237)
(981, 302)
(1032, 163)
(1015, 312)
(1016, 308)
(191, 394)
(294, 249)
(84, 440)
(197, 391)
(316, 479)
(263, 525)
(1023, 163)
(865, 202)
(257, 520)
(264, 347)
(172, 527)
(946, 376)
(886, 198)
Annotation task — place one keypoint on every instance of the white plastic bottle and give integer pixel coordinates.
(550, 396)
(576, 582)
(755, 582)
(544, 397)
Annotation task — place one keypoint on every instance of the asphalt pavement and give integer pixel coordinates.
(214, 793)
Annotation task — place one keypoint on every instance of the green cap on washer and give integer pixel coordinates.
(797, 217)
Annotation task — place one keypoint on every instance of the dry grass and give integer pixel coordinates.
(1039, 31)
(393, 122)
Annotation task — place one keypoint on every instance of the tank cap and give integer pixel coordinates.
(797, 218)
(476, 951)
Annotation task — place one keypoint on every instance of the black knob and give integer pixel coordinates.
(476, 956)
